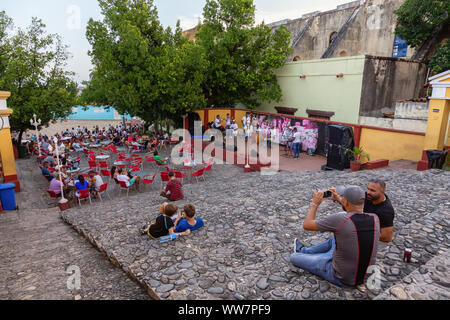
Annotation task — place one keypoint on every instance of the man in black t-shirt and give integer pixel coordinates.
(378, 202)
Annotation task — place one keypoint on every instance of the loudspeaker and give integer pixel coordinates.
(341, 135)
(340, 138)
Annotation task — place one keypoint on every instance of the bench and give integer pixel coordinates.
(375, 164)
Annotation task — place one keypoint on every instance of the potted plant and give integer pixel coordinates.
(357, 153)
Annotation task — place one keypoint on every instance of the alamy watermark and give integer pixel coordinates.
(245, 148)
(74, 19)
(74, 280)
(373, 283)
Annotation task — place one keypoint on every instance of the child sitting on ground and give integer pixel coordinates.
(186, 220)
(163, 224)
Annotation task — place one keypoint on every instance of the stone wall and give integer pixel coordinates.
(388, 80)
(370, 33)
(409, 116)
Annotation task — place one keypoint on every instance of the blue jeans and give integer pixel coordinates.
(296, 149)
(317, 260)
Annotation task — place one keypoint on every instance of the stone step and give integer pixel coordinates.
(36, 250)
(428, 282)
(251, 230)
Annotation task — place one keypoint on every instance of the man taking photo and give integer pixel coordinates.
(344, 259)
(377, 202)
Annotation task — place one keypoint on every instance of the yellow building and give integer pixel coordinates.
(437, 135)
(7, 160)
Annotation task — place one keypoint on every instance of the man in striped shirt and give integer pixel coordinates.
(345, 258)
(174, 189)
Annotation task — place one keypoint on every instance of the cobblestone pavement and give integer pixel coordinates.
(37, 248)
(250, 223)
(430, 281)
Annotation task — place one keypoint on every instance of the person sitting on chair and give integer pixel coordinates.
(157, 158)
(81, 184)
(122, 176)
(46, 172)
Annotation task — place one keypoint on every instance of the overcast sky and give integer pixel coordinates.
(60, 16)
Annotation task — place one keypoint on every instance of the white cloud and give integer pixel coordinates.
(187, 23)
(273, 16)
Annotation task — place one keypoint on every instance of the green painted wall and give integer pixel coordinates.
(322, 90)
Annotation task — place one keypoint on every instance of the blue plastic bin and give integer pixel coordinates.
(8, 196)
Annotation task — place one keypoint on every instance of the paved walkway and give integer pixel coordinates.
(241, 253)
(37, 247)
(250, 222)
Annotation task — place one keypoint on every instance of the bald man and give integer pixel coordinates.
(377, 202)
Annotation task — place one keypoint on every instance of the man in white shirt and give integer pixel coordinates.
(97, 180)
(217, 122)
(297, 141)
(234, 127)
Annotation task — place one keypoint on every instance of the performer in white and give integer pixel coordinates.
(234, 127)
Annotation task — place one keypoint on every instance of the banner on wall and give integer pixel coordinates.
(400, 48)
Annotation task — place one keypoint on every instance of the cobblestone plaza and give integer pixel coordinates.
(241, 253)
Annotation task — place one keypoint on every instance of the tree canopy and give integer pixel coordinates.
(140, 68)
(243, 56)
(441, 61)
(418, 18)
(33, 70)
(155, 74)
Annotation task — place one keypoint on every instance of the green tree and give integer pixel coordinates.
(35, 75)
(140, 68)
(5, 24)
(441, 61)
(243, 57)
(418, 18)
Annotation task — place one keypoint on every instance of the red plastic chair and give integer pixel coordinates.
(83, 195)
(134, 168)
(178, 174)
(208, 168)
(160, 165)
(123, 186)
(106, 173)
(147, 179)
(199, 174)
(103, 164)
(53, 194)
(164, 177)
(92, 164)
(102, 190)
